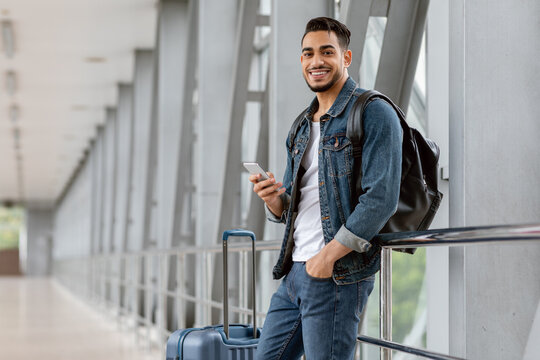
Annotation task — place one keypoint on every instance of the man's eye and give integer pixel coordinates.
(307, 54)
(328, 53)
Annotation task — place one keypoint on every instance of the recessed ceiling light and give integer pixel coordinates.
(95, 59)
(11, 82)
(7, 36)
(14, 113)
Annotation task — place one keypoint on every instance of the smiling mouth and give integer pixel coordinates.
(318, 74)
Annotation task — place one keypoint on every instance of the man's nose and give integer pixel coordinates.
(318, 60)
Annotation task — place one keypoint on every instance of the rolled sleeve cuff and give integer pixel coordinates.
(345, 237)
(285, 198)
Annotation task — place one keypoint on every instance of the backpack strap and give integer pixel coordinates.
(355, 133)
(295, 127)
(355, 129)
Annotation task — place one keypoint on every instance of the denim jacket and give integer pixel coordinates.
(353, 225)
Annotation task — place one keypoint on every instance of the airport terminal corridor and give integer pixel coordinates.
(40, 319)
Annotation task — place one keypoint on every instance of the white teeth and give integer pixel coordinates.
(318, 73)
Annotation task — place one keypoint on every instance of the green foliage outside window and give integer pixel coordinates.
(10, 224)
(407, 278)
(408, 299)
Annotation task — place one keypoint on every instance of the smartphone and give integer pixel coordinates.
(255, 169)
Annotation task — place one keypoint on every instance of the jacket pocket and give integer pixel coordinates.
(338, 153)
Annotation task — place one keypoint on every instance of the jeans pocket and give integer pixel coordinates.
(315, 278)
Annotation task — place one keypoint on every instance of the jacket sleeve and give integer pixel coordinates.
(286, 196)
(381, 177)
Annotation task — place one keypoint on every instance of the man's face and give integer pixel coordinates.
(323, 61)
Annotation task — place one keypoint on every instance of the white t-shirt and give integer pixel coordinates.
(308, 234)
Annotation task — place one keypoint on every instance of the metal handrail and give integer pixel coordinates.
(439, 237)
(103, 274)
(406, 349)
(236, 247)
(499, 234)
(460, 236)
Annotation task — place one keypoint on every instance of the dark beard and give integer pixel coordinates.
(326, 87)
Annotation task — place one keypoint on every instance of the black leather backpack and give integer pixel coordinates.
(419, 197)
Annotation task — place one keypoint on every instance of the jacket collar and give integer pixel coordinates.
(339, 104)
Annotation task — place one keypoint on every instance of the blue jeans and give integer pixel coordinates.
(312, 315)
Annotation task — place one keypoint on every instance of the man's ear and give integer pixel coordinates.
(347, 58)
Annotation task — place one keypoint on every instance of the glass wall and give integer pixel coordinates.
(11, 220)
(11, 238)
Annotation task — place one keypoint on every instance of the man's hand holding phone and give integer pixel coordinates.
(269, 190)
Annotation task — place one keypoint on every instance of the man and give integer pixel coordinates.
(327, 256)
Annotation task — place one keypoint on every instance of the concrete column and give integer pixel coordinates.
(171, 47)
(494, 168)
(217, 29)
(142, 108)
(99, 151)
(93, 164)
(39, 230)
(109, 149)
(437, 45)
(124, 155)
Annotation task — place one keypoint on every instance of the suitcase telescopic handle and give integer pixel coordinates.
(226, 234)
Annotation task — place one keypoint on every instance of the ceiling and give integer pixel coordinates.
(69, 56)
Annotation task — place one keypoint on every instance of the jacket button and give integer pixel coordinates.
(296, 151)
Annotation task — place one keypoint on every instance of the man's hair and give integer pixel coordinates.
(328, 24)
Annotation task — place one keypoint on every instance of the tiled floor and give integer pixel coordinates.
(39, 319)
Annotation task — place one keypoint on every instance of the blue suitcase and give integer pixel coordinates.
(217, 342)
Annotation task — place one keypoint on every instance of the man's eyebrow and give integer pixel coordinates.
(322, 47)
